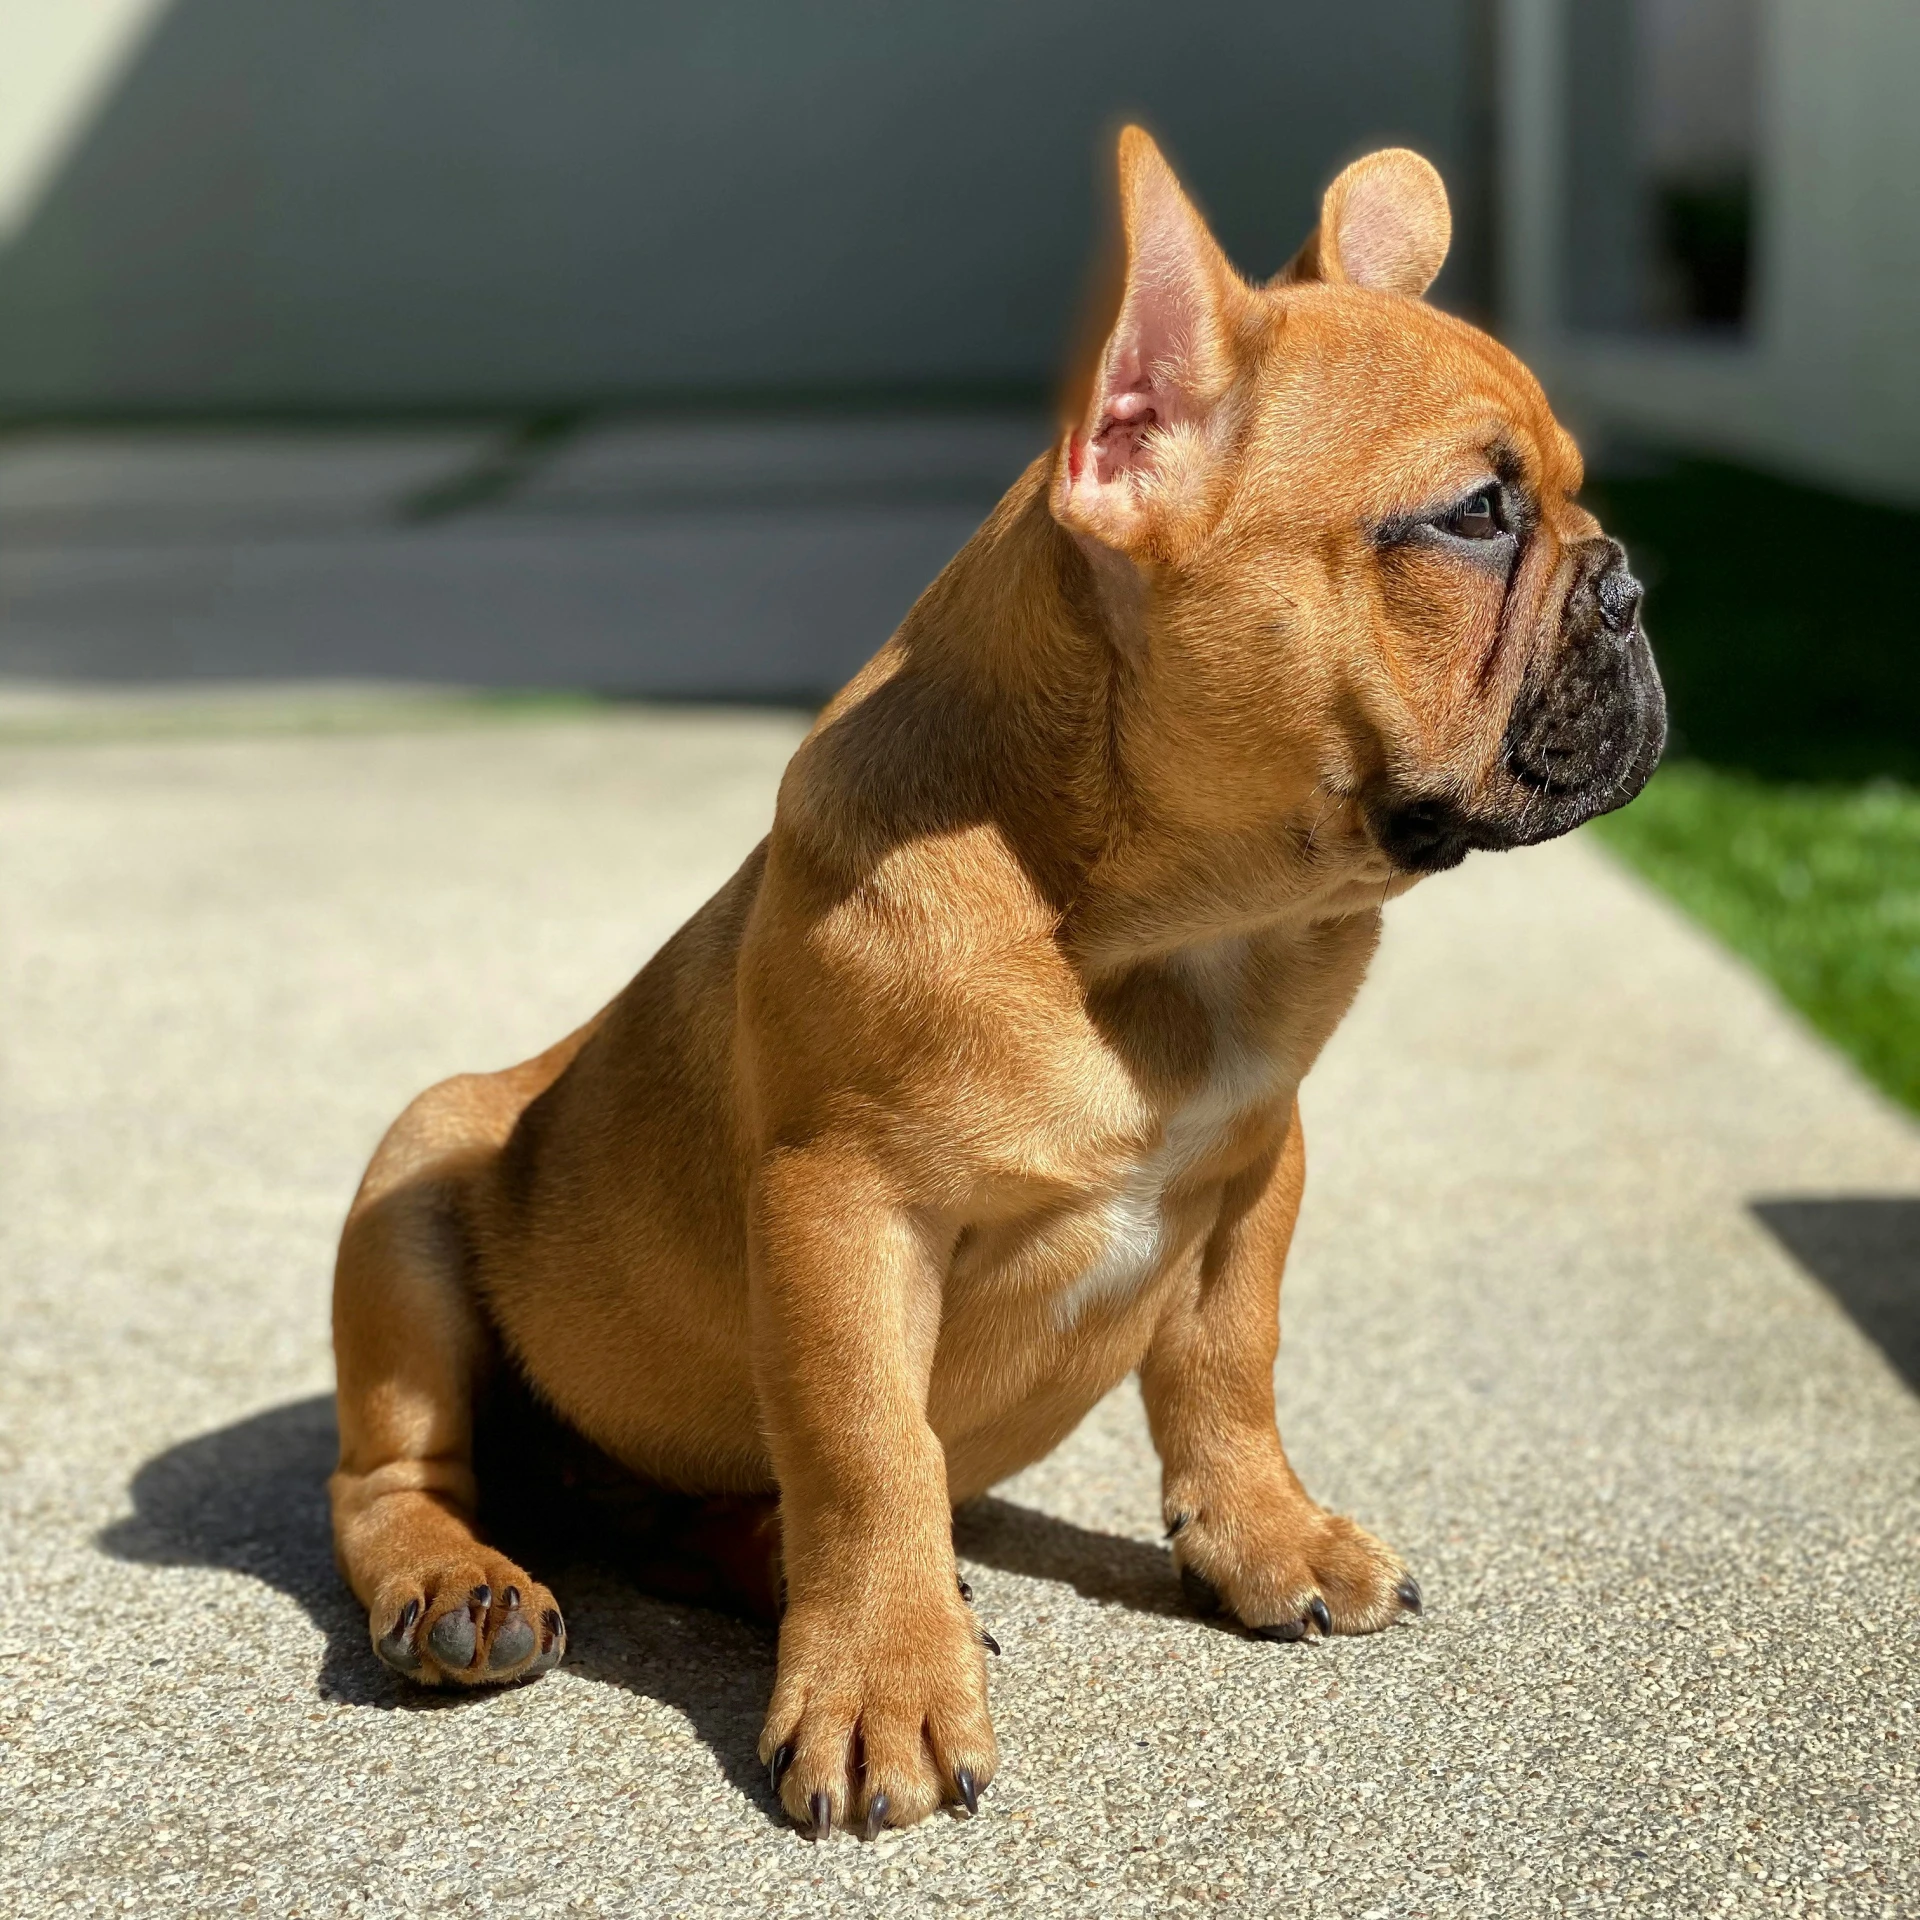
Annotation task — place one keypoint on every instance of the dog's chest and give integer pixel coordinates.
(1135, 1226)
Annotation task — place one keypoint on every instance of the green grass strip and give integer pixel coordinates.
(1817, 885)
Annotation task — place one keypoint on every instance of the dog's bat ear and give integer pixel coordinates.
(1384, 224)
(1158, 367)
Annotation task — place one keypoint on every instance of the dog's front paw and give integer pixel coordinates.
(1285, 1568)
(878, 1718)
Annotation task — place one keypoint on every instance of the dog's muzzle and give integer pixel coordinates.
(1591, 721)
(1584, 736)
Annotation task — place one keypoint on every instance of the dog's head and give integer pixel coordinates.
(1341, 527)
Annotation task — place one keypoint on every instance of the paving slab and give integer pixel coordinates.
(1597, 1313)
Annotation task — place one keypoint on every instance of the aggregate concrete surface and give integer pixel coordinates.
(1659, 1476)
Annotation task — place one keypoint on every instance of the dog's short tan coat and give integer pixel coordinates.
(974, 1089)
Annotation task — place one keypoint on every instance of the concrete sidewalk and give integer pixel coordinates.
(1659, 1477)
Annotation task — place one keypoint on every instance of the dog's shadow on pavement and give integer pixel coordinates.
(250, 1498)
(1103, 1567)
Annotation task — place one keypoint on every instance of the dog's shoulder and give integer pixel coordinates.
(954, 912)
(905, 830)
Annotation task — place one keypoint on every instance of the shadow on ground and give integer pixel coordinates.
(1102, 1567)
(251, 1498)
(1865, 1250)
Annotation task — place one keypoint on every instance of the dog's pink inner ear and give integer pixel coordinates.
(1145, 374)
(1384, 224)
(1165, 361)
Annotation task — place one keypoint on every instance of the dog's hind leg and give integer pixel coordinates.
(412, 1346)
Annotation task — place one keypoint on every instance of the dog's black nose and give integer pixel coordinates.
(1619, 595)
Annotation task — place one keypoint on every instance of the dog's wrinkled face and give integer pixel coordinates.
(1361, 575)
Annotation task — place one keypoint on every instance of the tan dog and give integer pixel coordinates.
(973, 1090)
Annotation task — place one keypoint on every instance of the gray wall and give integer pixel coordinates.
(374, 204)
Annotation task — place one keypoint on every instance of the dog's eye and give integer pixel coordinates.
(1478, 518)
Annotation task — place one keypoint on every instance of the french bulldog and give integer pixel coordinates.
(973, 1090)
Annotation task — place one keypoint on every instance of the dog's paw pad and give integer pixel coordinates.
(553, 1643)
(453, 1639)
(514, 1640)
(1286, 1631)
(396, 1647)
(473, 1625)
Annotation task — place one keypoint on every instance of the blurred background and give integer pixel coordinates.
(594, 349)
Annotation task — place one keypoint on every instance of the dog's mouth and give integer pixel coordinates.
(1579, 743)
(1430, 833)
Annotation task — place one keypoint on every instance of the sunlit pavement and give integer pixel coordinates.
(1544, 1332)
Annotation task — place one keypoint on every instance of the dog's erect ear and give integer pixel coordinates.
(1384, 224)
(1136, 429)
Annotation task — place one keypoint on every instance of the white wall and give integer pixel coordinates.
(60, 60)
(1828, 384)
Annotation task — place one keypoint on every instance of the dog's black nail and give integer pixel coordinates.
(452, 1640)
(1202, 1595)
(778, 1765)
(481, 1596)
(969, 1793)
(1281, 1630)
(1321, 1617)
(1409, 1593)
(877, 1809)
(408, 1615)
(512, 1644)
(966, 1593)
(511, 1598)
(1178, 1521)
(552, 1622)
(821, 1807)
(989, 1642)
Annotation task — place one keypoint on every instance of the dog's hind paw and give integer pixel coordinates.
(480, 1623)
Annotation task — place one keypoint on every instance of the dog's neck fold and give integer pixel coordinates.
(1048, 638)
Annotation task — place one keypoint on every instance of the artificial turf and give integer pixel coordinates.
(1787, 817)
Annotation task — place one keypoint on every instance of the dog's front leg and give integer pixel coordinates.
(1246, 1536)
(879, 1713)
